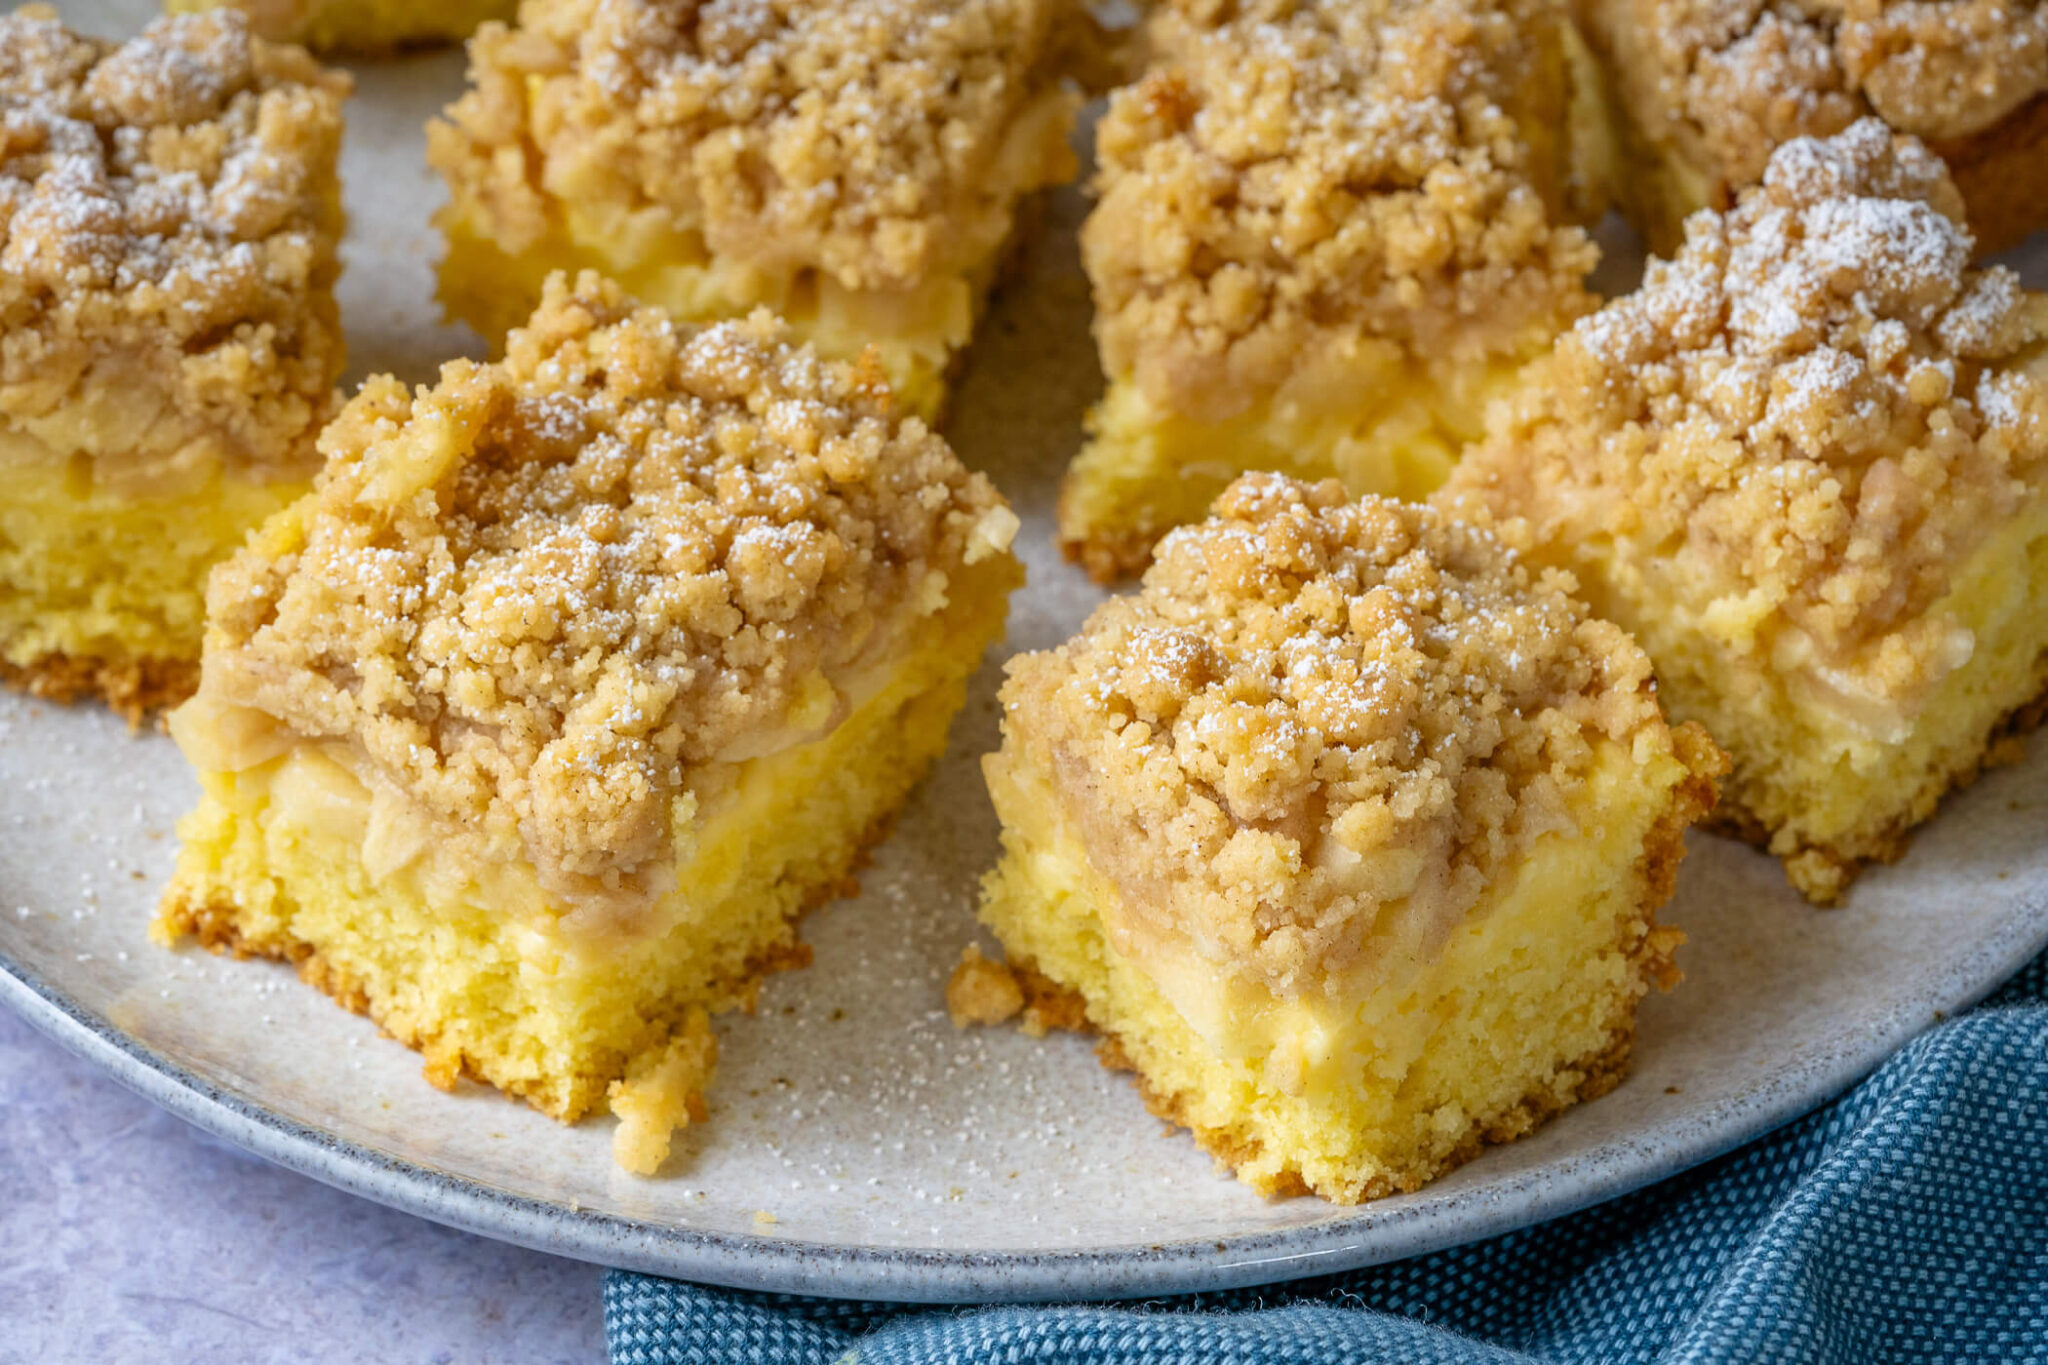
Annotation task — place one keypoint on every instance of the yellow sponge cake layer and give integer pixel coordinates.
(103, 592)
(857, 168)
(1146, 470)
(1349, 831)
(532, 729)
(1527, 1009)
(1834, 778)
(473, 965)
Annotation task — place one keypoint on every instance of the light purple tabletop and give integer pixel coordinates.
(123, 1231)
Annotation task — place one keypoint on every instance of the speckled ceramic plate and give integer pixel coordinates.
(858, 1145)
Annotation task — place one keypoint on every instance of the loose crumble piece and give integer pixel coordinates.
(1805, 464)
(169, 224)
(981, 991)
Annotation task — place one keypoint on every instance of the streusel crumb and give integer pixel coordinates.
(982, 991)
(369, 27)
(1320, 717)
(1292, 177)
(662, 1091)
(1807, 419)
(1729, 80)
(538, 595)
(169, 223)
(865, 140)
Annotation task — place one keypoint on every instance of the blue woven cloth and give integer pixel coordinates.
(1907, 1221)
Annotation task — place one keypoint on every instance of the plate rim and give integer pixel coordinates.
(1369, 1234)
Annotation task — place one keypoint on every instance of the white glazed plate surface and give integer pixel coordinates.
(896, 1157)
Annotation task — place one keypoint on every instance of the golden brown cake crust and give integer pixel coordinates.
(168, 237)
(1815, 411)
(1317, 708)
(866, 140)
(1291, 177)
(1722, 83)
(134, 689)
(535, 597)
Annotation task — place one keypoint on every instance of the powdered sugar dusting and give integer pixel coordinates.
(168, 212)
(1290, 180)
(1816, 410)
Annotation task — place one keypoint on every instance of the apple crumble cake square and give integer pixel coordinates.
(855, 167)
(1327, 234)
(1807, 465)
(1347, 831)
(1702, 91)
(579, 675)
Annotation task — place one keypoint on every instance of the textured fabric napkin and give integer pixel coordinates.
(1907, 1221)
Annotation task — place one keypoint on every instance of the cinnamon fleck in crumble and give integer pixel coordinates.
(169, 220)
(534, 596)
(1320, 717)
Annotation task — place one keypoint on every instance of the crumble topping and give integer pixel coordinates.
(1806, 420)
(280, 21)
(879, 141)
(1735, 78)
(1322, 726)
(552, 599)
(1945, 68)
(1294, 177)
(169, 220)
